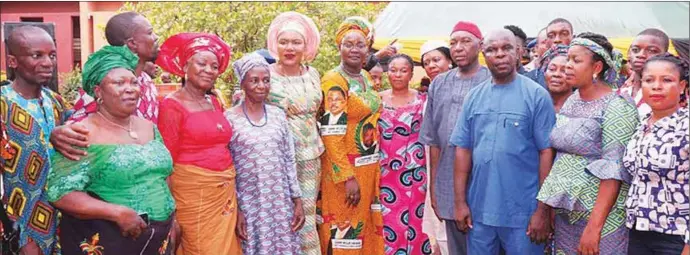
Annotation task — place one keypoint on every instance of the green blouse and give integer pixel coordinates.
(130, 175)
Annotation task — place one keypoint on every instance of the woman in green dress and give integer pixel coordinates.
(122, 180)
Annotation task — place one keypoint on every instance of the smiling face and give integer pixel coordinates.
(662, 85)
(399, 73)
(555, 76)
(336, 101)
(119, 92)
(202, 70)
(464, 48)
(291, 47)
(353, 49)
(642, 48)
(435, 62)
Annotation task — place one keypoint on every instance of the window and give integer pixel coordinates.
(31, 19)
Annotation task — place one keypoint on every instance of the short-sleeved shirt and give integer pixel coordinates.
(444, 103)
(505, 126)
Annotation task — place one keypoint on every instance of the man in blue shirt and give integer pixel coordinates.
(503, 149)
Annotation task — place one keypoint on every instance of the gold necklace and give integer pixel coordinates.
(129, 130)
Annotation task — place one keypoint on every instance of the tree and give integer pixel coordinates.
(244, 25)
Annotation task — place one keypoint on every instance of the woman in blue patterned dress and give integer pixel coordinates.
(263, 150)
(592, 129)
(657, 206)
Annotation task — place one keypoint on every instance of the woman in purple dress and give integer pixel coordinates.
(263, 150)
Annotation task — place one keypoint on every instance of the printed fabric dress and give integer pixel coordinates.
(303, 93)
(28, 124)
(264, 157)
(403, 178)
(348, 129)
(590, 139)
(131, 175)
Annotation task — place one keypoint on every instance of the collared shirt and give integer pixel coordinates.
(657, 158)
(505, 126)
(444, 103)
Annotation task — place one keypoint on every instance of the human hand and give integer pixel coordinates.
(463, 217)
(65, 137)
(241, 228)
(589, 242)
(539, 228)
(298, 217)
(352, 192)
(129, 222)
(386, 52)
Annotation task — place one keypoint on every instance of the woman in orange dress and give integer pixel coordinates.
(348, 208)
(196, 133)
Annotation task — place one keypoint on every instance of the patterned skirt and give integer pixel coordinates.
(567, 237)
(402, 197)
(101, 237)
(309, 176)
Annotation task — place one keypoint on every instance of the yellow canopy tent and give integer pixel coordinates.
(413, 23)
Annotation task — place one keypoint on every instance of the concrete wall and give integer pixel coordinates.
(93, 18)
(59, 13)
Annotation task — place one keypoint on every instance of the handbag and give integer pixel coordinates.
(9, 240)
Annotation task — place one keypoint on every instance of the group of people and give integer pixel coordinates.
(556, 158)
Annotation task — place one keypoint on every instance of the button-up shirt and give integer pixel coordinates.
(505, 126)
(444, 103)
(657, 158)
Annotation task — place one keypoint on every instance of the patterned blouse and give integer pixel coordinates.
(304, 93)
(657, 158)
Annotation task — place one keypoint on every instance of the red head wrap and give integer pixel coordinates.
(178, 49)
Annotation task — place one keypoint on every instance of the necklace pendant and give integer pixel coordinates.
(133, 135)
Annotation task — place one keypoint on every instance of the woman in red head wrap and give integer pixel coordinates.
(195, 131)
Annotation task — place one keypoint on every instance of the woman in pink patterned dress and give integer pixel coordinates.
(403, 162)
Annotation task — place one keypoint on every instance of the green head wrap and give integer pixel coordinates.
(104, 60)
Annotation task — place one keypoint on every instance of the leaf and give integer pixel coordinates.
(244, 25)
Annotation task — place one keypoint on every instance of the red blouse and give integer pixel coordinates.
(196, 138)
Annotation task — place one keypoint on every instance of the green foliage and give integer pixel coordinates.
(70, 84)
(244, 25)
